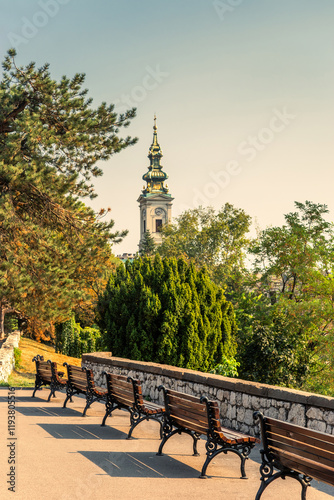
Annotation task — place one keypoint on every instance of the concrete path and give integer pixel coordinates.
(60, 455)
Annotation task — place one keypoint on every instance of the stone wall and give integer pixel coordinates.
(238, 399)
(7, 361)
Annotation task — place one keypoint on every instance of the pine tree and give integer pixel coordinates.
(147, 245)
(52, 246)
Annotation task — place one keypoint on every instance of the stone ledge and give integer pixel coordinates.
(7, 360)
(217, 381)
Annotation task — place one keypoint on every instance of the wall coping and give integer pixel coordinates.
(225, 383)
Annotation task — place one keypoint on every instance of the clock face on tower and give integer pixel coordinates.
(159, 211)
(144, 212)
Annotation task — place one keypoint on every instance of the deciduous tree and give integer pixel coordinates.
(286, 321)
(206, 238)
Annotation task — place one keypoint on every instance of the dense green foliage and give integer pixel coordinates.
(228, 367)
(206, 238)
(286, 311)
(17, 358)
(52, 246)
(73, 340)
(164, 310)
(283, 302)
(11, 323)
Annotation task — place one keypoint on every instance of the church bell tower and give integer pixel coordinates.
(155, 203)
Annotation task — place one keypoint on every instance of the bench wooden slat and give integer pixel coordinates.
(312, 442)
(78, 376)
(44, 369)
(236, 436)
(74, 368)
(115, 376)
(195, 407)
(307, 467)
(122, 384)
(75, 380)
(191, 425)
(128, 392)
(151, 406)
(198, 410)
(183, 396)
(278, 424)
(121, 400)
(301, 448)
(188, 417)
(232, 438)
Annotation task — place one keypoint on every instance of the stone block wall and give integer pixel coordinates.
(7, 361)
(238, 399)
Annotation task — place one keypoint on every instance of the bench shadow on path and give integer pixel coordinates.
(24, 399)
(140, 464)
(84, 431)
(47, 411)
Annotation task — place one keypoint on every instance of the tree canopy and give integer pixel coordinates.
(206, 238)
(286, 316)
(52, 245)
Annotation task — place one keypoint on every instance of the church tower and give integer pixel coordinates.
(155, 203)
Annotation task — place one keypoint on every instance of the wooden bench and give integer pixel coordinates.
(81, 381)
(296, 452)
(47, 374)
(126, 393)
(198, 416)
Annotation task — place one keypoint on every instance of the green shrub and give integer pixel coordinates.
(167, 311)
(73, 340)
(17, 357)
(228, 367)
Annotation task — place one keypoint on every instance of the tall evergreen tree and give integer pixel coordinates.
(147, 245)
(164, 310)
(52, 245)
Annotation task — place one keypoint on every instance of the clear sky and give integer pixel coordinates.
(242, 89)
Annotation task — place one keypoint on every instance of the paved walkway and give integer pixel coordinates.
(60, 455)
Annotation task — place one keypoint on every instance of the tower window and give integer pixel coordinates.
(158, 225)
(144, 226)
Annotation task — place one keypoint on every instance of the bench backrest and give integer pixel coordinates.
(186, 411)
(43, 368)
(124, 390)
(304, 450)
(77, 377)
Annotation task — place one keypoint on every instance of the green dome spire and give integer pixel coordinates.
(155, 177)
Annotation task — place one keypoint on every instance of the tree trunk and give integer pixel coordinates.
(2, 320)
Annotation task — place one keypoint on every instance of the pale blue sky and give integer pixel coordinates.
(243, 91)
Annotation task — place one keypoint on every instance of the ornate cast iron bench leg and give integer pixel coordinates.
(268, 476)
(38, 385)
(168, 433)
(110, 407)
(69, 394)
(212, 451)
(135, 420)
